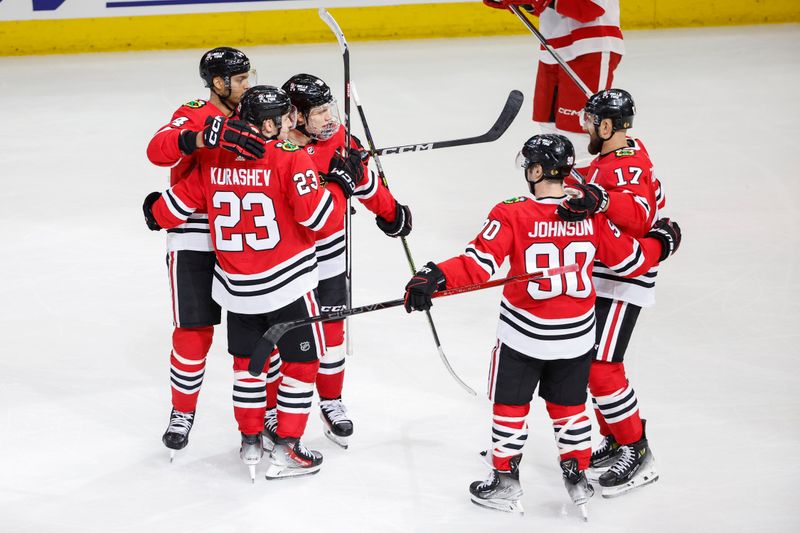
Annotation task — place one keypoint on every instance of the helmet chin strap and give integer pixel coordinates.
(225, 98)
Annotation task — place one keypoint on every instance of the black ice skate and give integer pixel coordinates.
(577, 485)
(251, 453)
(270, 432)
(177, 435)
(338, 426)
(501, 490)
(602, 457)
(289, 458)
(634, 467)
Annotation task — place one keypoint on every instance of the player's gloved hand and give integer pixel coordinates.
(400, 226)
(583, 201)
(536, 7)
(346, 171)
(236, 136)
(425, 282)
(147, 207)
(669, 233)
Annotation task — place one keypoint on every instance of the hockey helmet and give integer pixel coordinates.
(223, 62)
(614, 104)
(552, 151)
(313, 99)
(264, 102)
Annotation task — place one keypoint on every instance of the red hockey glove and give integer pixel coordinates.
(236, 136)
(425, 282)
(583, 201)
(533, 6)
(401, 226)
(669, 233)
(147, 207)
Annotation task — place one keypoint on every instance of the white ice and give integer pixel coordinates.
(86, 325)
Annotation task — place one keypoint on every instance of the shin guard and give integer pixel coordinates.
(249, 397)
(509, 433)
(573, 432)
(188, 364)
(616, 401)
(294, 397)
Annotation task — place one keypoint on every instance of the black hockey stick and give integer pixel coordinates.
(382, 174)
(569, 72)
(348, 239)
(507, 116)
(268, 340)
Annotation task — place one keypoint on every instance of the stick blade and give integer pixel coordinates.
(507, 115)
(328, 19)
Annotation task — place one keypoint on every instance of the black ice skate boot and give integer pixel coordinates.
(289, 458)
(602, 457)
(634, 467)
(270, 432)
(577, 485)
(251, 453)
(338, 426)
(501, 490)
(177, 435)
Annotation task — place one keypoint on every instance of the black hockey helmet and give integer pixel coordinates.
(262, 102)
(223, 62)
(307, 92)
(614, 104)
(554, 152)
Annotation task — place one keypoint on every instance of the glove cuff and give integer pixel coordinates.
(187, 142)
(437, 275)
(667, 243)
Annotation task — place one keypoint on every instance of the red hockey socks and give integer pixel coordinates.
(330, 378)
(615, 402)
(294, 397)
(573, 431)
(509, 432)
(188, 364)
(249, 397)
(273, 378)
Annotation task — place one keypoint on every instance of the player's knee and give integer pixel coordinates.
(305, 372)
(192, 342)
(606, 378)
(334, 333)
(558, 411)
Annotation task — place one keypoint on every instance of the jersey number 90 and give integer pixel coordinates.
(548, 255)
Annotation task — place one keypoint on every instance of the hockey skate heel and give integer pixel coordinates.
(289, 458)
(251, 453)
(501, 490)
(602, 458)
(337, 425)
(177, 435)
(577, 486)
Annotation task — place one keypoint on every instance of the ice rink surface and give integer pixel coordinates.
(84, 385)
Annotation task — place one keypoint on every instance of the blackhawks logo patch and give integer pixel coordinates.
(195, 104)
(516, 200)
(287, 146)
(622, 152)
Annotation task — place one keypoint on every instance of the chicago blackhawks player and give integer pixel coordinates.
(545, 334)
(320, 134)
(621, 184)
(190, 259)
(263, 214)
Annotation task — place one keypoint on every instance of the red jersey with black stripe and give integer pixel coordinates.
(551, 318)
(263, 216)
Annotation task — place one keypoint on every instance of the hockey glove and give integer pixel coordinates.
(669, 233)
(346, 172)
(236, 136)
(425, 282)
(583, 201)
(401, 226)
(533, 6)
(147, 207)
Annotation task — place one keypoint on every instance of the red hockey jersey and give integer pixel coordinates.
(551, 318)
(578, 27)
(635, 197)
(163, 151)
(372, 193)
(263, 215)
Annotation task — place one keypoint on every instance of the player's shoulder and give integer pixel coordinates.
(634, 150)
(510, 206)
(284, 148)
(193, 112)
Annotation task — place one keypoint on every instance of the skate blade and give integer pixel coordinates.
(267, 445)
(593, 473)
(584, 509)
(252, 469)
(635, 483)
(284, 471)
(507, 506)
(339, 441)
(171, 455)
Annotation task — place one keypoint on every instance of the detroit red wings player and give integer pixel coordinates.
(190, 258)
(545, 335)
(263, 215)
(621, 184)
(587, 36)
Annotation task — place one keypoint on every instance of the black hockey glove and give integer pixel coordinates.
(147, 207)
(346, 172)
(425, 282)
(669, 233)
(401, 226)
(236, 136)
(586, 200)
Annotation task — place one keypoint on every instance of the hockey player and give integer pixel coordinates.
(321, 135)
(587, 36)
(545, 335)
(263, 214)
(190, 259)
(622, 185)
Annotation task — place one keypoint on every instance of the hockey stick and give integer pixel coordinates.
(406, 249)
(507, 116)
(348, 238)
(569, 72)
(269, 339)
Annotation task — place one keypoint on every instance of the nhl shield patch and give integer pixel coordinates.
(304, 346)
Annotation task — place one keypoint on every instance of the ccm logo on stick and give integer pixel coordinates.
(409, 148)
